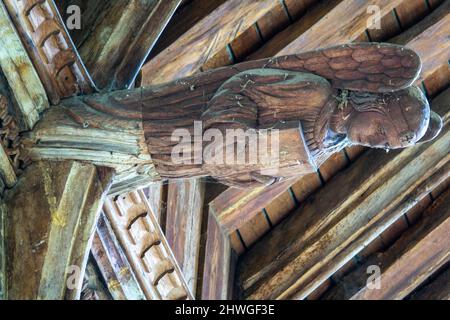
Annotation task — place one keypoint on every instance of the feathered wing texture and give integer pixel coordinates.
(371, 67)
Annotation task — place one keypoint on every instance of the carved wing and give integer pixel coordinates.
(372, 67)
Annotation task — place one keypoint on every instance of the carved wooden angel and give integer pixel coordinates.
(319, 102)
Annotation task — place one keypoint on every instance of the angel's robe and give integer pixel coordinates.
(298, 105)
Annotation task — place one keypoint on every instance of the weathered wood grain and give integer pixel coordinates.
(146, 247)
(54, 238)
(157, 197)
(281, 40)
(205, 39)
(220, 262)
(416, 255)
(106, 269)
(185, 18)
(423, 36)
(318, 28)
(185, 200)
(307, 247)
(50, 48)
(18, 69)
(113, 263)
(349, 17)
(234, 207)
(438, 289)
(427, 252)
(2, 251)
(122, 38)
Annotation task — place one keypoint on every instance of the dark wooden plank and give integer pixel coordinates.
(411, 11)
(113, 264)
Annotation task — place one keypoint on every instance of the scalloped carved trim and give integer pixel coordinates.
(50, 47)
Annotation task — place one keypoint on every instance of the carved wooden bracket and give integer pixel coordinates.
(319, 102)
(50, 47)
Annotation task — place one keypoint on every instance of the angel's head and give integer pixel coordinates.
(391, 120)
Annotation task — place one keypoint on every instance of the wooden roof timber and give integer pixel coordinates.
(50, 47)
(251, 202)
(183, 226)
(146, 247)
(437, 289)
(113, 264)
(419, 253)
(24, 82)
(236, 204)
(114, 57)
(433, 84)
(187, 54)
(45, 49)
(345, 215)
(66, 198)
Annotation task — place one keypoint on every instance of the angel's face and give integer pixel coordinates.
(395, 120)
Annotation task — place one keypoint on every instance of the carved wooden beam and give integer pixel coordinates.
(345, 215)
(413, 258)
(183, 225)
(204, 40)
(24, 82)
(81, 128)
(113, 264)
(119, 42)
(146, 247)
(50, 47)
(54, 238)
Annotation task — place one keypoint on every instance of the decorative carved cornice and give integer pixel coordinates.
(50, 47)
(146, 247)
